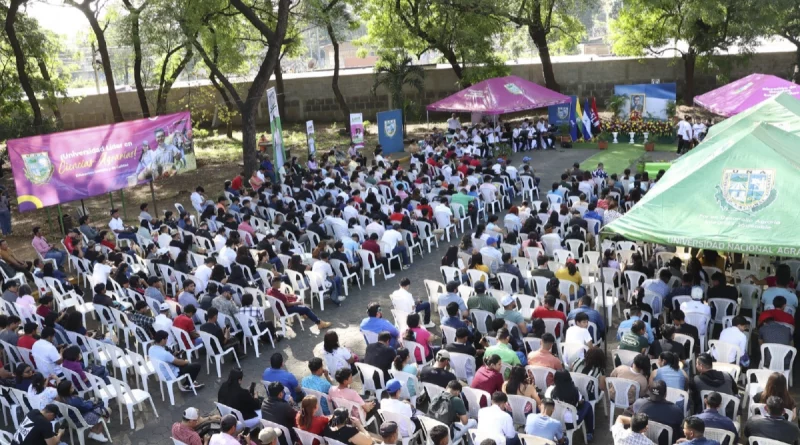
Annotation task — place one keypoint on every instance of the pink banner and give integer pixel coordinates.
(61, 167)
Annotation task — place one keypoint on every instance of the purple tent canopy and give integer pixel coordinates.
(744, 93)
(500, 95)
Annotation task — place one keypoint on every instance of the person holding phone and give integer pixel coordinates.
(233, 395)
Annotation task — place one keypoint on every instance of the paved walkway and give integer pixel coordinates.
(301, 346)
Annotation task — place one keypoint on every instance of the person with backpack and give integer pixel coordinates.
(448, 407)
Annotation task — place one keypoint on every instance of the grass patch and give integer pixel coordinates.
(617, 157)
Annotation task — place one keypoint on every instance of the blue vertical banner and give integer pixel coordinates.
(559, 115)
(573, 119)
(390, 131)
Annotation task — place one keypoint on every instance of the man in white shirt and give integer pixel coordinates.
(393, 404)
(394, 241)
(198, 199)
(685, 134)
(733, 335)
(404, 301)
(696, 306)
(101, 271)
(48, 359)
(118, 227)
(488, 189)
(496, 422)
(350, 211)
(699, 131)
(227, 255)
(203, 273)
(323, 268)
(490, 250)
(162, 321)
(578, 335)
(453, 124)
(375, 227)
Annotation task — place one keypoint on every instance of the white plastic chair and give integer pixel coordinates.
(307, 438)
(777, 362)
(77, 422)
(621, 397)
(559, 413)
(368, 374)
(462, 364)
(130, 398)
(655, 430)
(540, 375)
(724, 437)
(474, 397)
(518, 404)
(404, 423)
(590, 389)
(252, 332)
(722, 351)
(368, 258)
(212, 344)
(277, 307)
(167, 377)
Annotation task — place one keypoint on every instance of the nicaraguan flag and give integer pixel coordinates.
(587, 122)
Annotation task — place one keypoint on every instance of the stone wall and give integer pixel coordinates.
(309, 95)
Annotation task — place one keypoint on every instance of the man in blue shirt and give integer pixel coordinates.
(453, 320)
(693, 429)
(375, 323)
(276, 373)
(660, 285)
(713, 419)
(178, 366)
(452, 296)
(684, 289)
(594, 316)
(591, 213)
(544, 425)
(317, 381)
(636, 314)
(782, 279)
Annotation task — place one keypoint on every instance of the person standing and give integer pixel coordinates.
(685, 135)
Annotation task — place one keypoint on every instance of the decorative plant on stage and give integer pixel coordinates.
(615, 104)
(394, 70)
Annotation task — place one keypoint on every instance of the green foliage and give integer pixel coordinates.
(615, 104)
(394, 71)
(672, 109)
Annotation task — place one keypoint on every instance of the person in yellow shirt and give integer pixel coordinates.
(476, 262)
(570, 273)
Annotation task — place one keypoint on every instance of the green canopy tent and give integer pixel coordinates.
(782, 111)
(738, 195)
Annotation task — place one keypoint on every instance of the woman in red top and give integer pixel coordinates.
(306, 420)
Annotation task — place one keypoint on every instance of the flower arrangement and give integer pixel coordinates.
(656, 129)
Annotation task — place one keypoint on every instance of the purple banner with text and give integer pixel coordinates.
(61, 167)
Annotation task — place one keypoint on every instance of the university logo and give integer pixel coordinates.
(513, 89)
(563, 112)
(390, 127)
(743, 88)
(746, 190)
(38, 168)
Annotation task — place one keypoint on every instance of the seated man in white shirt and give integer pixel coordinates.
(395, 243)
(393, 404)
(375, 227)
(496, 422)
(323, 267)
(48, 359)
(119, 228)
(403, 300)
(733, 335)
(696, 306)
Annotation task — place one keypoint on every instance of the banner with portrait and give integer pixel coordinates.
(390, 131)
(312, 146)
(60, 167)
(646, 101)
(357, 129)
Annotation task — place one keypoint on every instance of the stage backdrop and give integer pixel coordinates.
(558, 115)
(646, 98)
(61, 167)
(390, 131)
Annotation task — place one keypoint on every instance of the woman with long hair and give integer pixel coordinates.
(519, 384)
(776, 386)
(218, 274)
(402, 362)
(479, 232)
(569, 272)
(337, 357)
(593, 364)
(23, 376)
(244, 258)
(476, 262)
(73, 360)
(182, 262)
(610, 260)
(232, 394)
(669, 371)
(466, 244)
(450, 257)
(307, 420)
(39, 392)
(92, 411)
(564, 390)
(341, 428)
(422, 337)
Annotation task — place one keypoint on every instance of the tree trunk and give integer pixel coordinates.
(335, 80)
(137, 64)
(228, 105)
(540, 40)
(689, 63)
(52, 99)
(249, 147)
(19, 56)
(796, 74)
(102, 48)
(280, 90)
(452, 59)
(165, 86)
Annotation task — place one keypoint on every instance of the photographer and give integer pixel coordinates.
(234, 396)
(36, 428)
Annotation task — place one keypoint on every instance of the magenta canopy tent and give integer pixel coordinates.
(744, 93)
(499, 96)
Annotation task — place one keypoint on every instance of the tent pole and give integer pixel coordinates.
(603, 290)
(427, 118)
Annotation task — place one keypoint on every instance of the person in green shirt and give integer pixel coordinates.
(510, 313)
(503, 349)
(481, 300)
(465, 201)
(635, 339)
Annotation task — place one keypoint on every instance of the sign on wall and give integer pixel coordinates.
(646, 101)
(312, 147)
(68, 166)
(357, 129)
(390, 131)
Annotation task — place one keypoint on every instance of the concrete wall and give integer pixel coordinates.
(309, 95)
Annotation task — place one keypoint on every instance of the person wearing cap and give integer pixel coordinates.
(227, 434)
(119, 228)
(439, 372)
(635, 435)
(451, 295)
(490, 250)
(661, 410)
(509, 313)
(543, 424)
(714, 419)
(37, 427)
(510, 268)
(393, 404)
(186, 429)
(377, 324)
(178, 366)
(163, 321)
(225, 304)
(697, 306)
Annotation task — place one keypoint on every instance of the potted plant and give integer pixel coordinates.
(504, 152)
(649, 146)
(563, 130)
(602, 140)
(615, 104)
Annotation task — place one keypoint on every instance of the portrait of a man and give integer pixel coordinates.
(637, 104)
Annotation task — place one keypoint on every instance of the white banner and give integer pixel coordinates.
(357, 129)
(312, 148)
(275, 126)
